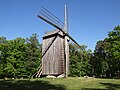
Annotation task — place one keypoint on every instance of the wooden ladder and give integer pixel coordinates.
(39, 72)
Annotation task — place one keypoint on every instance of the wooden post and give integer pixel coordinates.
(66, 56)
(66, 44)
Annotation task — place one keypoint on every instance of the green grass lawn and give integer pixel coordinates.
(61, 84)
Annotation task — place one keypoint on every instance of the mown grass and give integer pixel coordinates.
(61, 84)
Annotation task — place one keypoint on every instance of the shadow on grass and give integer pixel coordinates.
(109, 86)
(29, 85)
(94, 89)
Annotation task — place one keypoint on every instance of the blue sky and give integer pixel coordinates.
(89, 20)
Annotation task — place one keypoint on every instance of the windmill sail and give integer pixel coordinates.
(47, 18)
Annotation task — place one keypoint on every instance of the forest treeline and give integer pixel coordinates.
(21, 57)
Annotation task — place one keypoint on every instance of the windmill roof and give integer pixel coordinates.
(53, 32)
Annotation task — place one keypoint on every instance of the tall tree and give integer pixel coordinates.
(113, 51)
(3, 56)
(99, 64)
(33, 54)
(106, 57)
(19, 57)
(14, 59)
(79, 60)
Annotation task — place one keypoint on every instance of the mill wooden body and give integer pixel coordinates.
(54, 54)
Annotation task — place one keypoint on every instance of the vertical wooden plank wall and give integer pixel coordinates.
(53, 61)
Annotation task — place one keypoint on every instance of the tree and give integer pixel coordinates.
(79, 60)
(113, 51)
(14, 57)
(33, 54)
(4, 48)
(19, 57)
(99, 63)
(106, 57)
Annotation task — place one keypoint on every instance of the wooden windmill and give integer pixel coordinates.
(55, 49)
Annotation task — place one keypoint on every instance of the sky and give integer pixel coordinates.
(89, 20)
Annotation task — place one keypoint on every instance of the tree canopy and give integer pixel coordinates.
(19, 57)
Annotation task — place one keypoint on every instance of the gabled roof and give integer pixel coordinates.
(53, 32)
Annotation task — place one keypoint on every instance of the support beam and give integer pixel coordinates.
(47, 47)
(66, 43)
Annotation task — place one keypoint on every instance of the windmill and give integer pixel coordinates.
(55, 49)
